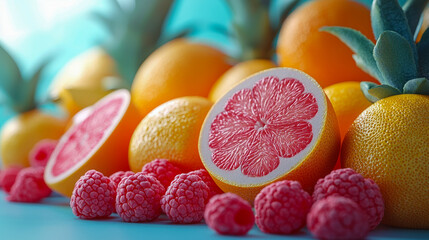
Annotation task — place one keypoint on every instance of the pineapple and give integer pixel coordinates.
(254, 28)
(134, 34)
(399, 63)
(389, 141)
(20, 133)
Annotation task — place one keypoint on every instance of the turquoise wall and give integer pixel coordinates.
(30, 30)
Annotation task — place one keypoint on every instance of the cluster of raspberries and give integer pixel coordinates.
(27, 184)
(144, 196)
(344, 205)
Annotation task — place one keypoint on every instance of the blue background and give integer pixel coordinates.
(31, 29)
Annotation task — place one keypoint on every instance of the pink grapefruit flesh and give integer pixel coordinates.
(86, 136)
(264, 128)
(98, 141)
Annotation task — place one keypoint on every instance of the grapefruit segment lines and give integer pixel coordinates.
(261, 124)
(275, 125)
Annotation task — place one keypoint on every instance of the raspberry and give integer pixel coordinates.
(93, 196)
(282, 207)
(163, 170)
(185, 199)
(337, 217)
(347, 183)
(229, 214)
(41, 152)
(138, 198)
(8, 177)
(205, 176)
(118, 176)
(29, 186)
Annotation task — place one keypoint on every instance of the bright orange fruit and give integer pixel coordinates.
(177, 69)
(348, 102)
(236, 74)
(324, 57)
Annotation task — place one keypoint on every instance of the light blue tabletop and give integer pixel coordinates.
(53, 219)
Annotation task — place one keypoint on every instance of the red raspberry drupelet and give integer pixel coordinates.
(163, 170)
(138, 198)
(229, 214)
(29, 186)
(93, 196)
(8, 177)
(347, 183)
(205, 176)
(185, 199)
(282, 207)
(337, 217)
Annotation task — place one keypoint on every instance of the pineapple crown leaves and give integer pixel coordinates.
(19, 94)
(255, 25)
(399, 63)
(135, 32)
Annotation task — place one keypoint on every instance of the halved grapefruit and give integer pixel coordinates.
(98, 141)
(276, 125)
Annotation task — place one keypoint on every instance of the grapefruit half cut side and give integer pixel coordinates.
(98, 141)
(277, 124)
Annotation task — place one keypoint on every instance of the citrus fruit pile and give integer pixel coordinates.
(198, 135)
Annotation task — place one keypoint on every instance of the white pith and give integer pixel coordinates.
(236, 177)
(49, 177)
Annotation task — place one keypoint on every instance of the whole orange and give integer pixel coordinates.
(348, 102)
(177, 69)
(324, 57)
(170, 131)
(388, 143)
(236, 74)
(21, 133)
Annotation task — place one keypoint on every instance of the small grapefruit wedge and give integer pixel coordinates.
(275, 125)
(98, 141)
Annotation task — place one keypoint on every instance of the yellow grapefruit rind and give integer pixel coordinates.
(114, 148)
(388, 143)
(318, 163)
(170, 131)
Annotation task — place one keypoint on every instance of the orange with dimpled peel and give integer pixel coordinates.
(278, 124)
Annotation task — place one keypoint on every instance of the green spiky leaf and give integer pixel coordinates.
(413, 10)
(394, 59)
(387, 15)
(365, 86)
(10, 76)
(252, 29)
(374, 92)
(423, 50)
(383, 91)
(417, 86)
(25, 99)
(361, 45)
